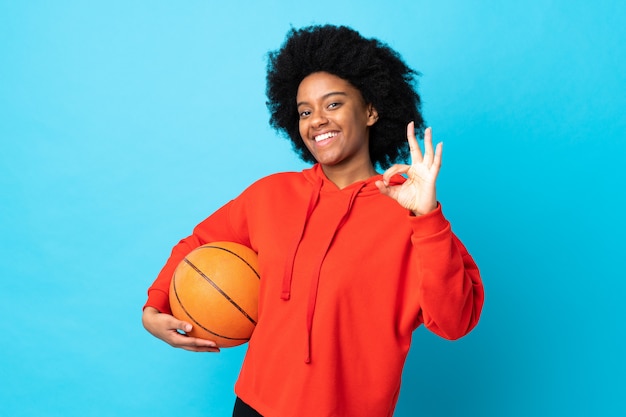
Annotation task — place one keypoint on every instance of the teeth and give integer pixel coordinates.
(325, 136)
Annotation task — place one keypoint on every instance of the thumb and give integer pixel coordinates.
(390, 191)
(180, 325)
(383, 188)
(184, 326)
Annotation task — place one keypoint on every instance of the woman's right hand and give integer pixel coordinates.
(167, 328)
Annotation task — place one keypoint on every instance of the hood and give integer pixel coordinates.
(320, 183)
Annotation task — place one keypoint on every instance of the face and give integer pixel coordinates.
(334, 121)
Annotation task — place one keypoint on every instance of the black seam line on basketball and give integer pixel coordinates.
(237, 255)
(196, 322)
(218, 289)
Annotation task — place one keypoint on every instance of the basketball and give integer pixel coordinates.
(216, 289)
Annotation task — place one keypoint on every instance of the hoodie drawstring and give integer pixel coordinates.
(317, 178)
(287, 277)
(316, 274)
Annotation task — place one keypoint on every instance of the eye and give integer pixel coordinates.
(304, 114)
(334, 105)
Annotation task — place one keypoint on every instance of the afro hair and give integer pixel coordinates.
(371, 66)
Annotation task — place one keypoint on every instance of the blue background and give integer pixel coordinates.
(124, 123)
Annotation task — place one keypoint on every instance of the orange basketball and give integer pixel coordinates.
(216, 289)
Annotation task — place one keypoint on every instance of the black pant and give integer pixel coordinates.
(244, 410)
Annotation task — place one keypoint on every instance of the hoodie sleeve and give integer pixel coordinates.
(223, 225)
(449, 288)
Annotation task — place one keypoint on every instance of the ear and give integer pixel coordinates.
(372, 115)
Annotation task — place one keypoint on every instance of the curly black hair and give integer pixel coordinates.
(371, 66)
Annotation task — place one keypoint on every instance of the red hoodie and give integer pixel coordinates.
(346, 276)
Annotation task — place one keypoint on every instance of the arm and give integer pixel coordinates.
(157, 318)
(449, 291)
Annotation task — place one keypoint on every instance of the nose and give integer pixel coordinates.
(318, 119)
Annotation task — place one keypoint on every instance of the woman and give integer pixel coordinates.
(351, 261)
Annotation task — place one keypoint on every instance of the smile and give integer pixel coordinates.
(325, 136)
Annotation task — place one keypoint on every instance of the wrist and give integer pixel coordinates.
(422, 212)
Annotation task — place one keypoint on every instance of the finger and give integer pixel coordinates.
(200, 345)
(428, 147)
(393, 170)
(438, 156)
(195, 344)
(193, 348)
(211, 350)
(416, 152)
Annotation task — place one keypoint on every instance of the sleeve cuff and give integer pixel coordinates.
(428, 224)
(159, 300)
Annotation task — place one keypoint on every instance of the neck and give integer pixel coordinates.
(342, 176)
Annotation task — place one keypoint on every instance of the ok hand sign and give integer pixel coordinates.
(418, 192)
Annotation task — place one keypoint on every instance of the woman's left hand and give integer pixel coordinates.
(418, 192)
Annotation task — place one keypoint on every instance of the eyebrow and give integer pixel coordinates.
(325, 96)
